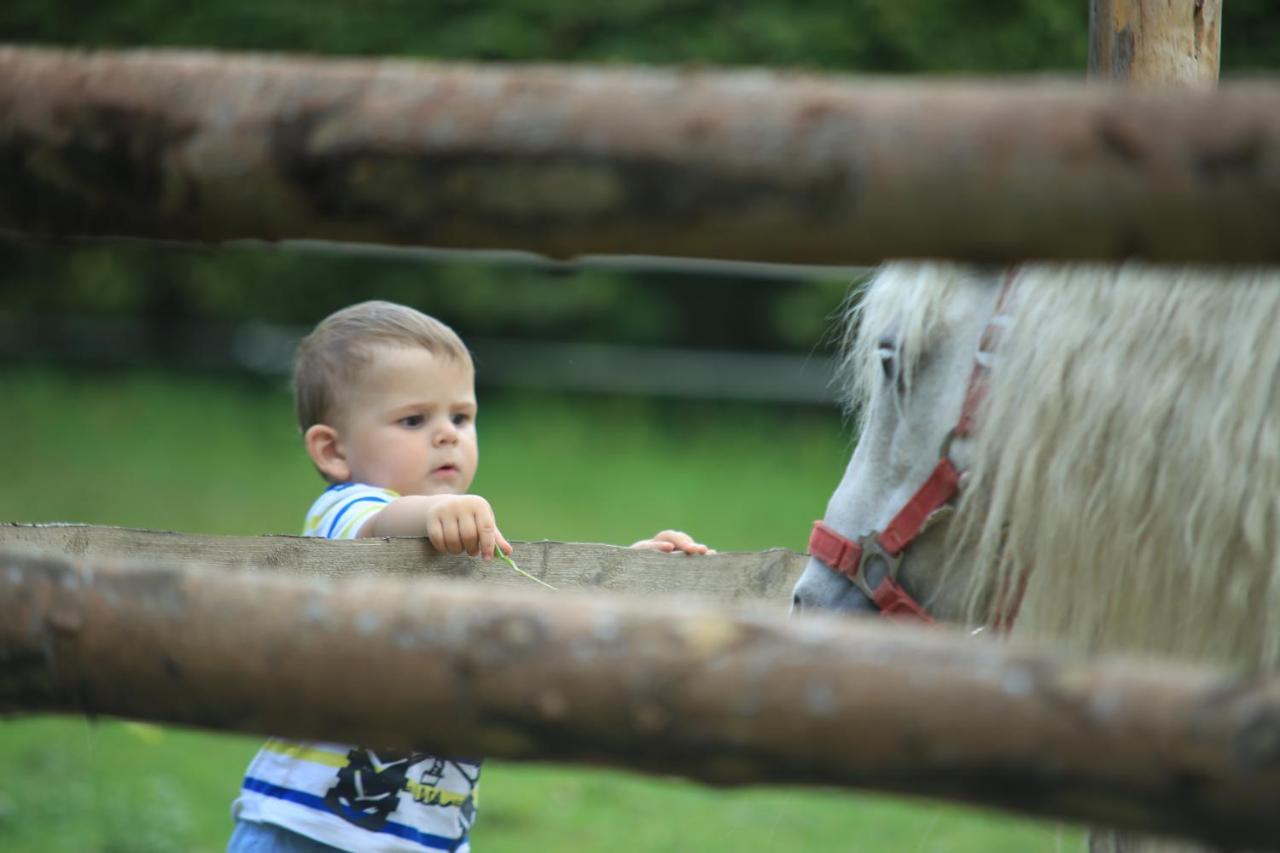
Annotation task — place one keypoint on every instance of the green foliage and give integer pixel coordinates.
(903, 36)
(871, 35)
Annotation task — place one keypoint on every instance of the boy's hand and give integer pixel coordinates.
(673, 540)
(455, 524)
(464, 523)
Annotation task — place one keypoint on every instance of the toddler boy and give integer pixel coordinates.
(385, 397)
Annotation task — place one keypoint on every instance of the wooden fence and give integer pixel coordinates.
(748, 165)
(765, 576)
(571, 161)
(650, 684)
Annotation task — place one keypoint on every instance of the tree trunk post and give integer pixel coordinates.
(1155, 41)
(1152, 43)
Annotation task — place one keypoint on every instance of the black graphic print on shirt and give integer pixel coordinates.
(368, 788)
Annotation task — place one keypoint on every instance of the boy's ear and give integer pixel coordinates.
(326, 452)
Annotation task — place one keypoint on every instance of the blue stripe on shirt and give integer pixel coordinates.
(311, 801)
(333, 525)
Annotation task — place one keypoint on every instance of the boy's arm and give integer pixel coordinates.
(465, 523)
(455, 524)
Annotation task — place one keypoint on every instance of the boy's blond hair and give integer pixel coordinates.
(332, 357)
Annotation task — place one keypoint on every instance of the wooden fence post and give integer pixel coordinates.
(1155, 41)
(1152, 43)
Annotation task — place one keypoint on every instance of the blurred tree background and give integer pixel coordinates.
(171, 440)
(902, 36)
(170, 288)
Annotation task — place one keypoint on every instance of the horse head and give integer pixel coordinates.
(1123, 472)
(913, 369)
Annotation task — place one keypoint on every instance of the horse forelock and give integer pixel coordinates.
(1129, 459)
(905, 300)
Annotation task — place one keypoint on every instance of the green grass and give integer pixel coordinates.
(218, 456)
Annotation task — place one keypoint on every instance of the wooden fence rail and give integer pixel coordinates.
(765, 576)
(564, 162)
(646, 684)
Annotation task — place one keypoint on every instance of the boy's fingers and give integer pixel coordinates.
(502, 542)
(469, 535)
(452, 538)
(677, 539)
(654, 545)
(435, 533)
(487, 540)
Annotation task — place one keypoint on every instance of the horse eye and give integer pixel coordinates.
(888, 352)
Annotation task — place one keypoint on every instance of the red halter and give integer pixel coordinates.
(930, 502)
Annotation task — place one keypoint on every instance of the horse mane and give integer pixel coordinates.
(1128, 462)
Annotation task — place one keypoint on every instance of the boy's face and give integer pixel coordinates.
(410, 423)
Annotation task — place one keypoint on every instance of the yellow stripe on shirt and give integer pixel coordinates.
(306, 753)
(358, 518)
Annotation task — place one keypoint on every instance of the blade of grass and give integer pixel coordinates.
(512, 563)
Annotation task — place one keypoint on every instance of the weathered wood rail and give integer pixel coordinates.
(646, 684)
(765, 576)
(564, 162)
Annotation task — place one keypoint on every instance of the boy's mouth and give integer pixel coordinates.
(445, 471)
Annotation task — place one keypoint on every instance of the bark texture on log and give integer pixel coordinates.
(571, 161)
(1155, 41)
(657, 685)
(726, 577)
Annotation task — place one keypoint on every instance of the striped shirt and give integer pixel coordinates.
(350, 797)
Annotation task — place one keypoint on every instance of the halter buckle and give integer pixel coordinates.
(849, 556)
(871, 547)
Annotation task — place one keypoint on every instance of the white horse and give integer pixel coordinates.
(1109, 438)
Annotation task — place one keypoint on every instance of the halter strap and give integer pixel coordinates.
(848, 556)
(937, 494)
(975, 393)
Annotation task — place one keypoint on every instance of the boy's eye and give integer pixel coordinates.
(412, 421)
(461, 420)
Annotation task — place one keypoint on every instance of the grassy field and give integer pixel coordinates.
(212, 455)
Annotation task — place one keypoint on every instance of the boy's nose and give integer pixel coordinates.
(446, 434)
